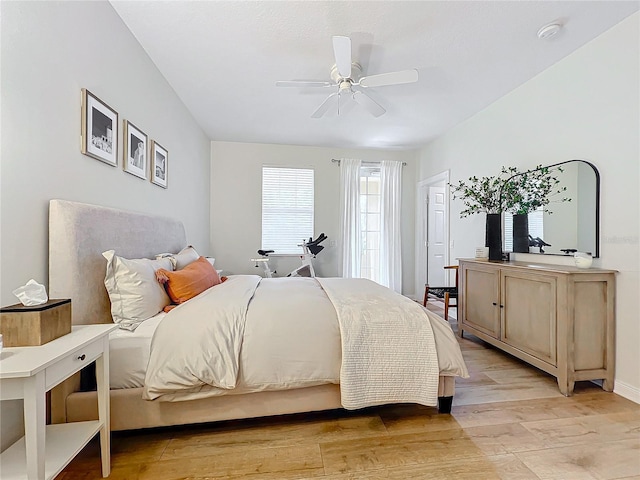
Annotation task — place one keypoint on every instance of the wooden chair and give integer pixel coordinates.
(447, 293)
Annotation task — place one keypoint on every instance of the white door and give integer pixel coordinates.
(432, 232)
(436, 236)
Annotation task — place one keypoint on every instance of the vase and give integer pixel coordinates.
(583, 259)
(521, 233)
(493, 235)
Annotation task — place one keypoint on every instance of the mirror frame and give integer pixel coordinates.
(596, 254)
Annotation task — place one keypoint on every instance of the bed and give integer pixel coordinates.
(78, 236)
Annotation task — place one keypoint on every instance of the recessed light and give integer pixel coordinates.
(549, 31)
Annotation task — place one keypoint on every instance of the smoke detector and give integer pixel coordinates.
(548, 31)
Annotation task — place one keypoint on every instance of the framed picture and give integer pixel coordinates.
(135, 150)
(99, 129)
(159, 164)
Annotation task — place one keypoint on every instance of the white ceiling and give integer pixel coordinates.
(223, 58)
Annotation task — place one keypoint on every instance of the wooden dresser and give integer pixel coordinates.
(560, 319)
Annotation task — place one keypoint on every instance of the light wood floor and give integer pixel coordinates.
(509, 421)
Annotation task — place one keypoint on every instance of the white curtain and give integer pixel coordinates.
(350, 216)
(390, 218)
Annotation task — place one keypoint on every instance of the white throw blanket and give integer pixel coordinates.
(388, 349)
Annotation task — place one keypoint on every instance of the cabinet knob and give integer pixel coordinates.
(82, 357)
(501, 306)
(494, 304)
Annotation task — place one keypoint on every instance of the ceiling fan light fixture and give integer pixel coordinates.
(345, 86)
(548, 31)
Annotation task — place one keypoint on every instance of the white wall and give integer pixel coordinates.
(587, 107)
(50, 50)
(236, 202)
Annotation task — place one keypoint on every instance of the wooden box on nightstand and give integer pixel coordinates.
(24, 326)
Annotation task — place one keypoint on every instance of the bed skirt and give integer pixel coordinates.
(130, 412)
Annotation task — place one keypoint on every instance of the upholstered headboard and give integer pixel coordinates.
(79, 233)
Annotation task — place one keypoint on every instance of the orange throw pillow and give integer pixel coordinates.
(192, 280)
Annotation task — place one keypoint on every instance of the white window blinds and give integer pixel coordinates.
(287, 208)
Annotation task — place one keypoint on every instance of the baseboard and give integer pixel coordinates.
(627, 391)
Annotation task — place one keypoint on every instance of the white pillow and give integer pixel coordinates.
(168, 256)
(211, 260)
(185, 256)
(181, 259)
(134, 292)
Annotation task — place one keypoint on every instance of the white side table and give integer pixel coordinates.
(28, 373)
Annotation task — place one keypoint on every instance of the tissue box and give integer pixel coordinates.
(23, 326)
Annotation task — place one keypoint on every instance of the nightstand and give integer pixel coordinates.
(28, 373)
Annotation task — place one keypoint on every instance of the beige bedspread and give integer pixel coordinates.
(288, 337)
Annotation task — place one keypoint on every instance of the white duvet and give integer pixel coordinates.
(198, 343)
(251, 334)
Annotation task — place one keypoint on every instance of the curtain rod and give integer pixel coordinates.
(337, 160)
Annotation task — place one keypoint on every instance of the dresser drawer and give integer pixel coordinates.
(73, 362)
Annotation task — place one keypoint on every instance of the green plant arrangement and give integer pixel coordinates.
(510, 191)
(526, 192)
(483, 195)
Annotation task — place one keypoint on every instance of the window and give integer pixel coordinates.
(536, 227)
(287, 208)
(370, 223)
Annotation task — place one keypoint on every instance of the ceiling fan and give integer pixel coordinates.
(349, 84)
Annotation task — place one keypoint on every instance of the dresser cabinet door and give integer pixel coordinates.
(529, 313)
(480, 298)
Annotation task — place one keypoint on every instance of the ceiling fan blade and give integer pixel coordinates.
(326, 105)
(302, 83)
(342, 52)
(369, 104)
(391, 78)
(345, 103)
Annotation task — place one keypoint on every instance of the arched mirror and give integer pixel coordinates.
(573, 225)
